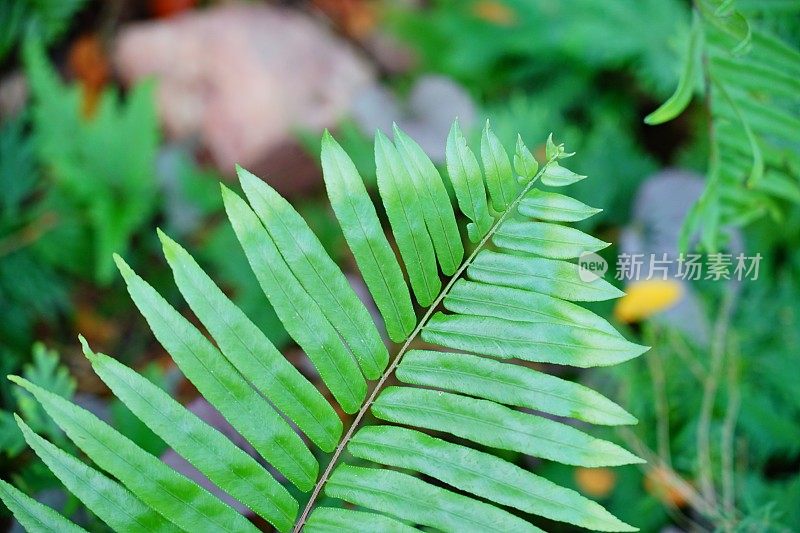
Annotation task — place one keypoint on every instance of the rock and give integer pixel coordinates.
(243, 78)
(13, 94)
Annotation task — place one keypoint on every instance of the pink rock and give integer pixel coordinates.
(243, 78)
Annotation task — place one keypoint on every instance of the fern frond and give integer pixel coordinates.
(514, 302)
(751, 85)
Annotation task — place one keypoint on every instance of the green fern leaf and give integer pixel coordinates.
(525, 164)
(249, 350)
(318, 274)
(545, 239)
(208, 450)
(329, 520)
(222, 385)
(535, 274)
(750, 84)
(510, 385)
(494, 425)
(186, 504)
(411, 499)
(364, 235)
(503, 188)
(465, 175)
(483, 299)
(34, 516)
(513, 304)
(437, 210)
(481, 474)
(298, 311)
(407, 221)
(554, 207)
(109, 500)
(538, 341)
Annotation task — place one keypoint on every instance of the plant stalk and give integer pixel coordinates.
(396, 361)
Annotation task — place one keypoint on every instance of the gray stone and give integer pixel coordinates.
(243, 78)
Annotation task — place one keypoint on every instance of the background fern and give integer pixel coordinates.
(750, 82)
(511, 298)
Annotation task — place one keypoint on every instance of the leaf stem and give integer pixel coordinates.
(396, 361)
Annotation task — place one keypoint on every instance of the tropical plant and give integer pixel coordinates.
(511, 298)
(750, 81)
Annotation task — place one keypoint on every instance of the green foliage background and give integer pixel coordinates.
(590, 71)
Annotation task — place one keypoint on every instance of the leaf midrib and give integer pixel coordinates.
(396, 361)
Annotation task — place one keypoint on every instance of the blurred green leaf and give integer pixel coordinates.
(101, 165)
(46, 371)
(44, 19)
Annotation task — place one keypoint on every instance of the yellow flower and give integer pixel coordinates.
(646, 298)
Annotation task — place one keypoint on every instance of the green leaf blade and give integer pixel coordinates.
(525, 164)
(503, 188)
(491, 424)
(317, 273)
(411, 499)
(546, 240)
(435, 202)
(534, 341)
(482, 299)
(467, 180)
(222, 385)
(110, 501)
(365, 237)
(680, 99)
(208, 450)
(482, 474)
(332, 520)
(510, 385)
(249, 350)
(555, 175)
(545, 276)
(34, 516)
(298, 312)
(407, 221)
(554, 207)
(186, 504)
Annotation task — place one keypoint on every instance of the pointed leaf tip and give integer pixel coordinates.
(87, 351)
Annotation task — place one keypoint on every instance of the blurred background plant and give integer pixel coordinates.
(122, 116)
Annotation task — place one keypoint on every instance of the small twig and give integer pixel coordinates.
(728, 435)
(659, 380)
(682, 349)
(710, 387)
(672, 478)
